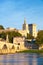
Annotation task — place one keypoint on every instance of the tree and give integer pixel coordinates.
(1, 27)
(39, 39)
(12, 34)
(3, 35)
(29, 36)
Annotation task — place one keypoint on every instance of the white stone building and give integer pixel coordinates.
(32, 29)
(19, 43)
(28, 28)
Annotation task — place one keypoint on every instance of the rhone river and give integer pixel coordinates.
(21, 59)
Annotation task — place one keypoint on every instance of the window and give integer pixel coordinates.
(18, 43)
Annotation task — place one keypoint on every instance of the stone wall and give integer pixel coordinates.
(19, 43)
(7, 51)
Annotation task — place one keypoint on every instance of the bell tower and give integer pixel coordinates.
(25, 26)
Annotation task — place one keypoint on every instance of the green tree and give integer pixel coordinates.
(3, 35)
(39, 39)
(12, 34)
(1, 27)
(29, 36)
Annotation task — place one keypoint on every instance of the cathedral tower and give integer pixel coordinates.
(32, 29)
(25, 26)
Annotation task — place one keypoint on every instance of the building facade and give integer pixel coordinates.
(30, 28)
(25, 27)
(19, 43)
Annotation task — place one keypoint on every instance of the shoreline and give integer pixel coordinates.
(12, 51)
(31, 51)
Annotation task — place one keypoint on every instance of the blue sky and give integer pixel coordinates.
(13, 12)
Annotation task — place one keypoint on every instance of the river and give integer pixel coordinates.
(21, 59)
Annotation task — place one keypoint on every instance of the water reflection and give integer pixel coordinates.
(21, 59)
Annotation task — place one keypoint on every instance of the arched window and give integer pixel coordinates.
(5, 46)
(18, 43)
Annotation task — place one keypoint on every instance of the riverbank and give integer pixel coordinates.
(12, 51)
(31, 51)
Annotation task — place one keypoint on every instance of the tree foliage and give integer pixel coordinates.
(10, 34)
(13, 34)
(29, 36)
(3, 35)
(39, 39)
(1, 27)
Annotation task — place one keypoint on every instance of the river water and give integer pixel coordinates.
(21, 59)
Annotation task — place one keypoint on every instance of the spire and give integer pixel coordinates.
(7, 39)
(24, 20)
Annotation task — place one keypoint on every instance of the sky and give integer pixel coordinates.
(13, 12)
